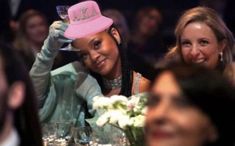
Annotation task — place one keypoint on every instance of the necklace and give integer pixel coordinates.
(113, 84)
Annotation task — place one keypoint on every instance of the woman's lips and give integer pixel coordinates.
(100, 63)
(161, 134)
(199, 61)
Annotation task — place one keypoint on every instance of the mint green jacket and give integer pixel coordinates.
(64, 94)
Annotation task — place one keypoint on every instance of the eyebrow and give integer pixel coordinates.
(184, 39)
(205, 38)
(92, 41)
(198, 38)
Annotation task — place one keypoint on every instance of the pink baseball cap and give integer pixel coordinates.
(86, 19)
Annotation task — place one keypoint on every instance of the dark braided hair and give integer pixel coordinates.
(127, 77)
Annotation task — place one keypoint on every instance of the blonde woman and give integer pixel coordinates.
(203, 38)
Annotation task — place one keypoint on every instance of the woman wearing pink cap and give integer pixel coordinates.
(99, 47)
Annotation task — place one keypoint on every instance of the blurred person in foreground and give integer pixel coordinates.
(203, 38)
(19, 122)
(190, 106)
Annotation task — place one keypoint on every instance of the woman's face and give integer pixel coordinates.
(36, 29)
(171, 120)
(199, 45)
(149, 23)
(100, 53)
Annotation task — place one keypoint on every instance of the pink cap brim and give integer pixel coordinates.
(75, 31)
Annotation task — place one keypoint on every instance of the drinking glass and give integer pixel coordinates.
(63, 129)
(82, 135)
(63, 133)
(57, 133)
(49, 134)
(62, 11)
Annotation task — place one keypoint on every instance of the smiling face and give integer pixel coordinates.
(171, 120)
(199, 45)
(100, 53)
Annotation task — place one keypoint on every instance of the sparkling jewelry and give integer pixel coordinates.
(113, 84)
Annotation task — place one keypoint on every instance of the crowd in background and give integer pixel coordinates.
(147, 29)
(146, 25)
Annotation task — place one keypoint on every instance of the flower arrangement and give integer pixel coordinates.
(127, 114)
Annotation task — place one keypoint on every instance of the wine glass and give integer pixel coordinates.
(63, 129)
(82, 135)
(49, 133)
(62, 11)
(63, 133)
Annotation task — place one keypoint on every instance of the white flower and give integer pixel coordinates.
(144, 111)
(137, 108)
(124, 121)
(96, 98)
(121, 111)
(115, 116)
(118, 98)
(101, 102)
(134, 100)
(130, 106)
(103, 119)
(138, 121)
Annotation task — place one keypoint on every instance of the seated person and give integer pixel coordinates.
(66, 94)
(203, 38)
(190, 106)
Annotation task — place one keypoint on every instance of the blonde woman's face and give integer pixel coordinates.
(199, 45)
(171, 120)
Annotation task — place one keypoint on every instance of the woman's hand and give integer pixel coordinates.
(56, 38)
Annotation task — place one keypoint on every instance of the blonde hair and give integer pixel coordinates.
(21, 42)
(210, 18)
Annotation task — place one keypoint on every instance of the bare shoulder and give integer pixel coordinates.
(144, 83)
